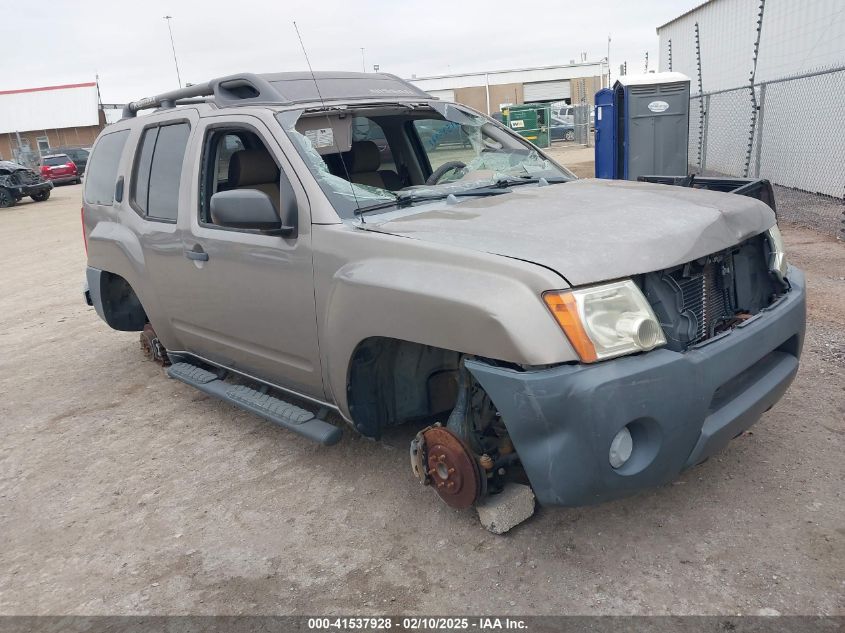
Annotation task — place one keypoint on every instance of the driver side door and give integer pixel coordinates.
(250, 296)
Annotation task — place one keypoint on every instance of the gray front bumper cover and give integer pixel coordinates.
(680, 407)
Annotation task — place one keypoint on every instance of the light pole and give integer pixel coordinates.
(363, 65)
(173, 46)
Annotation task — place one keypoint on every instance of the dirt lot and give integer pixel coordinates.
(122, 491)
(577, 158)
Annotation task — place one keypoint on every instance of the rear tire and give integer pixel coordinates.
(41, 196)
(6, 199)
(569, 135)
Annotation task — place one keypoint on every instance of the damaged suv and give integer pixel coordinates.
(345, 247)
(17, 182)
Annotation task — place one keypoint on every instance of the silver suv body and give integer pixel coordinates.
(344, 246)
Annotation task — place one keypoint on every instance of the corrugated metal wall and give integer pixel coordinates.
(547, 91)
(797, 37)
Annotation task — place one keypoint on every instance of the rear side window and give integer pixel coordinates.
(141, 181)
(102, 168)
(158, 170)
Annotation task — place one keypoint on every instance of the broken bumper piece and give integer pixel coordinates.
(679, 407)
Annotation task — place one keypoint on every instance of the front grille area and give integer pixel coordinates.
(25, 177)
(693, 297)
(704, 300)
(701, 298)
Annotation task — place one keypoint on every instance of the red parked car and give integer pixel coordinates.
(59, 168)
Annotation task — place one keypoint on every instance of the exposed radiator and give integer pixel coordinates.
(704, 297)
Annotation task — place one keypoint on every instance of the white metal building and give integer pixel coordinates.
(487, 91)
(32, 120)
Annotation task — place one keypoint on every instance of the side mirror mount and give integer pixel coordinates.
(253, 209)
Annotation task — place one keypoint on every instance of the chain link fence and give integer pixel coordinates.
(794, 137)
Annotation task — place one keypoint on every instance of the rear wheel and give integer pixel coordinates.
(569, 135)
(6, 198)
(41, 196)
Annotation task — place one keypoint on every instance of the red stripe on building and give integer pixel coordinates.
(90, 84)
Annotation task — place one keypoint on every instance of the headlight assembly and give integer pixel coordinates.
(606, 321)
(777, 255)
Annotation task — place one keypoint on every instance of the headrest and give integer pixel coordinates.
(365, 157)
(252, 167)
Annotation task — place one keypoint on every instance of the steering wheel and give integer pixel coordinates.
(441, 171)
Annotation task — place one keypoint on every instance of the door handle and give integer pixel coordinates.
(200, 256)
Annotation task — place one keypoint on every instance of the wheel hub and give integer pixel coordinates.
(451, 467)
(152, 348)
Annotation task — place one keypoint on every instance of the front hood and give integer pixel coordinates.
(588, 230)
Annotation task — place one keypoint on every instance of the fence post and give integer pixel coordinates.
(703, 141)
(701, 98)
(761, 110)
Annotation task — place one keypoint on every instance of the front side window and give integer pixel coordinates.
(158, 171)
(236, 159)
(444, 141)
(101, 174)
(225, 149)
(365, 129)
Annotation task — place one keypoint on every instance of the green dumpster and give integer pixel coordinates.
(530, 121)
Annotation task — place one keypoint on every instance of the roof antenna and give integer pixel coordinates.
(329, 121)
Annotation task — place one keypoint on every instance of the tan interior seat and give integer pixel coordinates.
(364, 168)
(255, 169)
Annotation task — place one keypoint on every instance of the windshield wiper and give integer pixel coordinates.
(493, 189)
(527, 180)
(406, 201)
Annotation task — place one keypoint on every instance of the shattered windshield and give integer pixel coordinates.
(380, 156)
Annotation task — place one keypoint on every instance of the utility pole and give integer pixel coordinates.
(173, 46)
(363, 65)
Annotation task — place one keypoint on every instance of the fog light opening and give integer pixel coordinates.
(621, 448)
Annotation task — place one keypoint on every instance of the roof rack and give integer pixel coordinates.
(284, 89)
(236, 88)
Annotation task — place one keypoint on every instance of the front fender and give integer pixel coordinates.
(487, 311)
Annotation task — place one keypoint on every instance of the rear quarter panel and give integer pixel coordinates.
(116, 233)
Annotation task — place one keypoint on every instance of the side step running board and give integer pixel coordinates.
(270, 408)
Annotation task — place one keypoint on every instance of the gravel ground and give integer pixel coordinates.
(820, 213)
(123, 492)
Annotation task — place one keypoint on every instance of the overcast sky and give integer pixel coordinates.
(127, 44)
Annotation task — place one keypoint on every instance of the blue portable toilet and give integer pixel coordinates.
(646, 126)
(605, 119)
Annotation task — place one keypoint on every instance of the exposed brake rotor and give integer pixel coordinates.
(440, 458)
